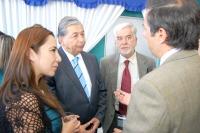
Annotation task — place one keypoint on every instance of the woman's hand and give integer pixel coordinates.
(71, 124)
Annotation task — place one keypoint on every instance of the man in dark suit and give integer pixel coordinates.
(81, 93)
(112, 68)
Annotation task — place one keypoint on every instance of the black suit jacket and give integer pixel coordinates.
(70, 93)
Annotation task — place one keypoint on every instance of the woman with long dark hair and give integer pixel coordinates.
(26, 104)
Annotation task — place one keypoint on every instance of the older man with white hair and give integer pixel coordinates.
(120, 72)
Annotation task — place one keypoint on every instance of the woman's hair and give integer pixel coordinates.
(19, 76)
(6, 43)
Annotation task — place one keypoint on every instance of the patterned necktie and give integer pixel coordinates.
(125, 86)
(80, 76)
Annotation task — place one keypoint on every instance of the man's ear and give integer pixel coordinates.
(32, 55)
(162, 35)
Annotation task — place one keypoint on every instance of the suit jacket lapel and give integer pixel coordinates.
(142, 65)
(114, 71)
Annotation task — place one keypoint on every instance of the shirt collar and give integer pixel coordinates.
(70, 56)
(131, 59)
(168, 54)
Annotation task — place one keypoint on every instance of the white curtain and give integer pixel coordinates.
(15, 15)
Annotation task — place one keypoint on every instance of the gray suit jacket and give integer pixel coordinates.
(109, 72)
(167, 100)
(68, 89)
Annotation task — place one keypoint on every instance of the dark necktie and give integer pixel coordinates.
(125, 86)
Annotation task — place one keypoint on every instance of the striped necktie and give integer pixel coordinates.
(80, 76)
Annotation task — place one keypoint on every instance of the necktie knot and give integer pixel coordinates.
(75, 60)
(126, 62)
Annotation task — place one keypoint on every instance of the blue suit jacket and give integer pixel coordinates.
(70, 93)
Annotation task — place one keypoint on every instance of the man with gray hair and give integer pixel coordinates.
(120, 72)
(77, 82)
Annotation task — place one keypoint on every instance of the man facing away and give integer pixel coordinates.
(77, 82)
(113, 68)
(167, 100)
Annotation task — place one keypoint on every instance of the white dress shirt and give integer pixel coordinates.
(133, 69)
(167, 55)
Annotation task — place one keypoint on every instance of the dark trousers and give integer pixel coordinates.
(113, 125)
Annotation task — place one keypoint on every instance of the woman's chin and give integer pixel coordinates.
(51, 74)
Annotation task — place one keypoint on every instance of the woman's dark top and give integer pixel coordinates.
(55, 119)
(27, 115)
